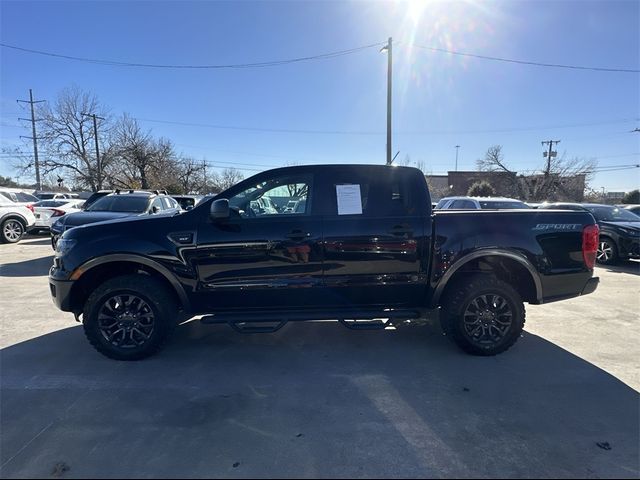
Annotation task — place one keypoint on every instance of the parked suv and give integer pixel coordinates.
(478, 203)
(619, 230)
(361, 247)
(117, 205)
(15, 220)
(18, 197)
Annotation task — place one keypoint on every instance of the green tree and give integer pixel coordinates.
(481, 189)
(632, 197)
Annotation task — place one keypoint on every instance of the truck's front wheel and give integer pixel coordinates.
(483, 315)
(129, 317)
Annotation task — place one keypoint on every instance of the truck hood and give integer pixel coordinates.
(83, 218)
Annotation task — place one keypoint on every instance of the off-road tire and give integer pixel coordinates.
(157, 297)
(460, 297)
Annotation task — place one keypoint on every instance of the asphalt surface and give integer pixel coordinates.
(318, 400)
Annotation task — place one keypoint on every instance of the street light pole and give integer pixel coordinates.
(457, 147)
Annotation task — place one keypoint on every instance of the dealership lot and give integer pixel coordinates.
(318, 399)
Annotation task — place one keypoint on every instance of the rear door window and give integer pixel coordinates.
(379, 197)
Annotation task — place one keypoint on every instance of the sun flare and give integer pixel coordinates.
(415, 9)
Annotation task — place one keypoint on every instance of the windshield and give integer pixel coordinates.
(502, 205)
(116, 203)
(613, 214)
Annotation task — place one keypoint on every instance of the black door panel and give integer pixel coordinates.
(375, 258)
(257, 263)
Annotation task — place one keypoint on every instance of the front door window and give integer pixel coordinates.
(279, 196)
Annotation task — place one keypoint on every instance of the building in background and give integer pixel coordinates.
(523, 187)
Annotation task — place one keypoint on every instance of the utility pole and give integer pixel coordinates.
(549, 154)
(33, 136)
(204, 176)
(389, 50)
(457, 147)
(95, 137)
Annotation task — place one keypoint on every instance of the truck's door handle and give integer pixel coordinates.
(399, 230)
(298, 235)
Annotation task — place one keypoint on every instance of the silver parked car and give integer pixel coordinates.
(480, 203)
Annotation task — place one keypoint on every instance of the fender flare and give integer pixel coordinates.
(17, 216)
(132, 258)
(488, 252)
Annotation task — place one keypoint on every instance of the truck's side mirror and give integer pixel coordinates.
(220, 209)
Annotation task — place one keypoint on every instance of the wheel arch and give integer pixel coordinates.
(506, 265)
(14, 216)
(96, 271)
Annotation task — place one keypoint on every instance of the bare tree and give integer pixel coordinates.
(225, 179)
(419, 164)
(67, 137)
(561, 178)
(137, 159)
(190, 175)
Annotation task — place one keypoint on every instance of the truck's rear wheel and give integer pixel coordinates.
(483, 315)
(129, 317)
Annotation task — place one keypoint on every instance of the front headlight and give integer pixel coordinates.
(64, 246)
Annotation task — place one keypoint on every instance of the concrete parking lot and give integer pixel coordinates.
(318, 400)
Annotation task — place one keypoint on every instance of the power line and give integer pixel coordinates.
(322, 56)
(525, 62)
(273, 63)
(260, 129)
(365, 132)
(612, 169)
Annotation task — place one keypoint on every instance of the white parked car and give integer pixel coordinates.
(48, 211)
(18, 196)
(15, 220)
(479, 203)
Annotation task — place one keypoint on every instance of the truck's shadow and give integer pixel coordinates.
(35, 267)
(628, 266)
(313, 400)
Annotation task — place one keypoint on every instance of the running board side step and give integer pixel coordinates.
(249, 322)
(365, 324)
(254, 327)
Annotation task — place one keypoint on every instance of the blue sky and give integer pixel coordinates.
(440, 100)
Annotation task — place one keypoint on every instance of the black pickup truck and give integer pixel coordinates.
(353, 243)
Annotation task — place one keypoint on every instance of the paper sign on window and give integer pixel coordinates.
(349, 199)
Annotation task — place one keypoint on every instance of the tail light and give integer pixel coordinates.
(57, 213)
(590, 237)
(30, 207)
